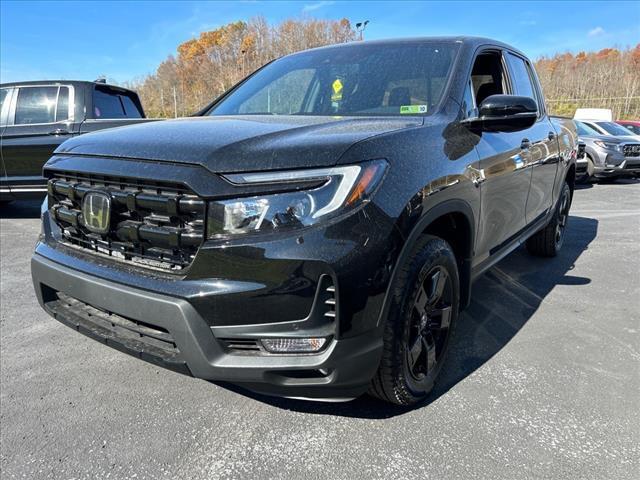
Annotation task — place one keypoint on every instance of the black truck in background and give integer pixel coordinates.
(36, 117)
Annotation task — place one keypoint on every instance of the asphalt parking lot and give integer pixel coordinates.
(543, 382)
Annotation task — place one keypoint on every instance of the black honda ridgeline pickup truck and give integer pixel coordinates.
(314, 232)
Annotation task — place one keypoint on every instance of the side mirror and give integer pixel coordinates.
(508, 113)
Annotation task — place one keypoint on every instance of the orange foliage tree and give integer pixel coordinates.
(609, 78)
(207, 66)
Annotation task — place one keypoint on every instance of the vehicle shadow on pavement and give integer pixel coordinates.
(21, 209)
(503, 300)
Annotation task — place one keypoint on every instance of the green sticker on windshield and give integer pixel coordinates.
(413, 109)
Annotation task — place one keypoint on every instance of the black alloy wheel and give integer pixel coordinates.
(429, 326)
(420, 323)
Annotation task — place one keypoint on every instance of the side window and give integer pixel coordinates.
(4, 95)
(62, 110)
(468, 105)
(487, 76)
(521, 77)
(36, 105)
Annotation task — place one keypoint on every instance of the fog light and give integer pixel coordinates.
(293, 345)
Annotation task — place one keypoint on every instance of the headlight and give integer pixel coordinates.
(608, 145)
(329, 192)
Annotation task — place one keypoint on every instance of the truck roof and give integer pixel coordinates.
(62, 82)
(469, 41)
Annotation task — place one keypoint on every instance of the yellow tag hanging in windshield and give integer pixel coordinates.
(336, 96)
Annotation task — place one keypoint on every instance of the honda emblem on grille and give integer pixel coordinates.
(96, 211)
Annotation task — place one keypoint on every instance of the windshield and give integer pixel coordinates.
(359, 79)
(614, 128)
(585, 130)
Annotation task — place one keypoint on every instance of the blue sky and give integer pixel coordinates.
(126, 40)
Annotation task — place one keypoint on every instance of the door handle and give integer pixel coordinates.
(526, 143)
(551, 135)
(59, 131)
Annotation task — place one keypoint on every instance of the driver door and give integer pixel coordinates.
(504, 175)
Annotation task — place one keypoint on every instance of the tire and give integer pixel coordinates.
(548, 241)
(420, 324)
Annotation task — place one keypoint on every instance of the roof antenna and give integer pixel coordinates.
(100, 80)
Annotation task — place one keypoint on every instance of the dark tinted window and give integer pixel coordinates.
(130, 108)
(62, 113)
(404, 78)
(487, 76)
(521, 77)
(109, 103)
(36, 105)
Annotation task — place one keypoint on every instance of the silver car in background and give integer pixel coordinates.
(607, 128)
(607, 156)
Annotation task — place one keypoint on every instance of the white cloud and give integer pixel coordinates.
(310, 7)
(595, 32)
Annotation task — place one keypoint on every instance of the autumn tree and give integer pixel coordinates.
(210, 64)
(609, 78)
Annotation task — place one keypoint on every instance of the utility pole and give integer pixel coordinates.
(360, 26)
(175, 103)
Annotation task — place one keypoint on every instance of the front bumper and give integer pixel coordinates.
(342, 370)
(609, 164)
(629, 166)
(235, 295)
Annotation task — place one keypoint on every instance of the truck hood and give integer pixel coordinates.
(611, 138)
(238, 143)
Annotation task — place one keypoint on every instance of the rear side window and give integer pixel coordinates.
(110, 103)
(521, 77)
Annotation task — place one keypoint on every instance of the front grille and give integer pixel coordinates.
(631, 150)
(156, 225)
(148, 342)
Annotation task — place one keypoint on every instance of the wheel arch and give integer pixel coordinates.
(452, 220)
